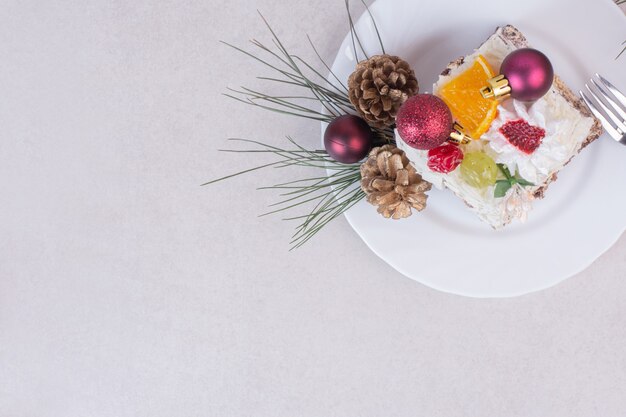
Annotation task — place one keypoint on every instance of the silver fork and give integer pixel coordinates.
(608, 105)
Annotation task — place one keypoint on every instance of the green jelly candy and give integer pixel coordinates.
(479, 170)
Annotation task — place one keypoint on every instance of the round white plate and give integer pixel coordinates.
(584, 213)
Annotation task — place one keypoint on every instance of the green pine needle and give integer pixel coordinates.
(623, 43)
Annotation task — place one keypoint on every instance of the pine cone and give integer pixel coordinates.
(392, 184)
(379, 86)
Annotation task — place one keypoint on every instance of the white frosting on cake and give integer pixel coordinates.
(566, 130)
(554, 115)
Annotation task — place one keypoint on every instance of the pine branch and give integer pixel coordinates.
(337, 189)
(334, 192)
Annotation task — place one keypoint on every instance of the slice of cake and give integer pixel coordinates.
(529, 142)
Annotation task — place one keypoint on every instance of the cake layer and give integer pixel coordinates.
(567, 124)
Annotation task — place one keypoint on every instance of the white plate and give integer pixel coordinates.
(584, 213)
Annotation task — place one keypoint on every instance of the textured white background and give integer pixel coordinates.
(128, 290)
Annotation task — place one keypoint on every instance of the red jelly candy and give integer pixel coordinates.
(445, 158)
(522, 135)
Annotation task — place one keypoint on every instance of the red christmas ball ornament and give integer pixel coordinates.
(348, 139)
(445, 158)
(525, 74)
(424, 121)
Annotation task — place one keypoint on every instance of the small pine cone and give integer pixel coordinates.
(392, 184)
(379, 86)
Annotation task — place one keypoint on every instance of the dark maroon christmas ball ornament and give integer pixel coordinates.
(348, 139)
(424, 121)
(525, 74)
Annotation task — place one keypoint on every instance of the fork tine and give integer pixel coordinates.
(606, 95)
(618, 94)
(605, 122)
(607, 111)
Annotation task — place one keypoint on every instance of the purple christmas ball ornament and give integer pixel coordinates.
(529, 72)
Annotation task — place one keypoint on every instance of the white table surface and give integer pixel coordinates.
(127, 290)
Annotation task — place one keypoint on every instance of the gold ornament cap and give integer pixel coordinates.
(498, 87)
(458, 136)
